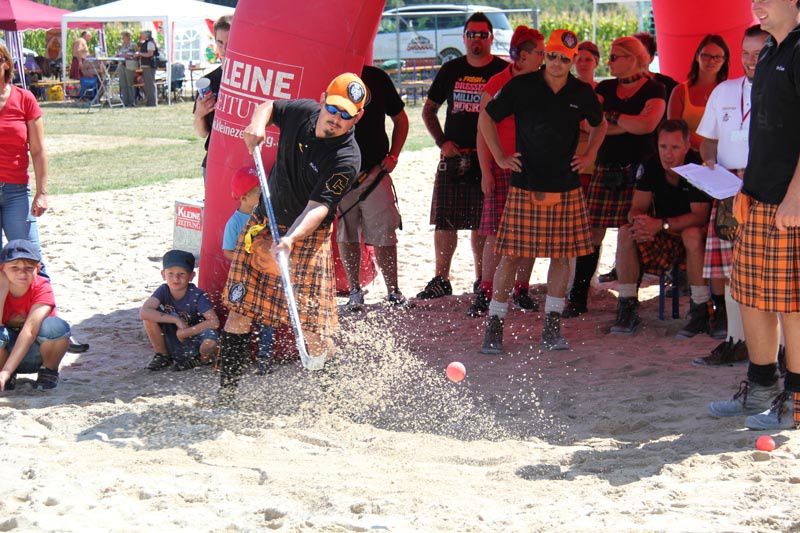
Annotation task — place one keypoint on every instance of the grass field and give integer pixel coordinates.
(120, 148)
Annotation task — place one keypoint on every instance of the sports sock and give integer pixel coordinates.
(498, 309)
(700, 294)
(234, 349)
(735, 328)
(764, 375)
(628, 290)
(553, 304)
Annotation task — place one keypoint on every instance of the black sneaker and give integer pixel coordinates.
(699, 321)
(493, 339)
(160, 361)
(436, 288)
(726, 353)
(552, 339)
(77, 346)
(719, 323)
(608, 277)
(523, 300)
(186, 364)
(628, 320)
(46, 379)
(476, 286)
(479, 307)
(11, 384)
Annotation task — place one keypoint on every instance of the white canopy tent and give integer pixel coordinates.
(166, 11)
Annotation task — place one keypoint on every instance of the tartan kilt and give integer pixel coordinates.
(766, 263)
(456, 205)
(532, 230)
(493, 205)
(259, 295)
(607, 208)
(719, 252)
(659, 254)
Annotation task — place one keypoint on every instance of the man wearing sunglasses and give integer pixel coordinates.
(457, 197)
(317, 161)
(545, 213)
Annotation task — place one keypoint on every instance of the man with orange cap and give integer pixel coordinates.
(317, 161)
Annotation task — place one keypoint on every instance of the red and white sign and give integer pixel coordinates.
(187, 234)
(188, 216)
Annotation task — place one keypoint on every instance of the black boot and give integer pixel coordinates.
(480, 306)
(552, 339)
(719, 323)
(628, 320)
(699, 320)
(585, 266)
(493, 339)
(233, 354)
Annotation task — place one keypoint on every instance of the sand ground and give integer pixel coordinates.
(611, 435)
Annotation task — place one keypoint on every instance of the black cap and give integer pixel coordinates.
(178, 258)
(19, 249)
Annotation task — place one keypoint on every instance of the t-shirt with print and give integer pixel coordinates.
(669, 200)
(627, 148)
(371, 129)
(233, 228)
(21, 107)
(18, 308)
(190, 308)
(307, 167)
(460, 85)
(505, 128)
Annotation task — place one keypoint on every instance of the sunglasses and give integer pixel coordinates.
(614, 57)
(552, 56)
(712, 57)
(477, 34)
(333, 110)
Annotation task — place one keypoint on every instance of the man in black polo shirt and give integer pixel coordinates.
(765, 279)
(667, 223)
(545, 213)
(376, 217)
(317, 160)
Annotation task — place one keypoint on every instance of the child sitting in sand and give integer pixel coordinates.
(32, 339)
(179, 318)
(245, 189)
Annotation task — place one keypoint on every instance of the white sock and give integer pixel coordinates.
(553, 304)
(498, 309)
(700, 294)
(735, 328)
(628, 290)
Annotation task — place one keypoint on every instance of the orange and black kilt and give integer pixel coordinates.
(531, 229)
(659, 254)
(456, 205)
(766, 263)
(607, 208)
(259, 295)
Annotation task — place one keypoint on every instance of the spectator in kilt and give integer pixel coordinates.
(317, 160)
(585, 66)
(724, 129)
(527, 53)
(545, 213)
(666, 224)
(634, 105)
(765, 279)
(457, 196)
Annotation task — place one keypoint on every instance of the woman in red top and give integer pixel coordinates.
(21, 133)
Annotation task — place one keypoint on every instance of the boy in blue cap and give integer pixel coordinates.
(33, 339)
(179, 318)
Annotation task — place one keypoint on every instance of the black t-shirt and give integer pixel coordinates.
(547, 127)
(461, 85)
(775, 121)
(627, 148)
(668, 200)
(308, 168)
(371, 129)
(668, 84)
(215, 77)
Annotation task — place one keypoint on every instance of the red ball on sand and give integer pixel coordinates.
(765, 443)
(456, 371)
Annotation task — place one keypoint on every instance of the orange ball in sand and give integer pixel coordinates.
(765, 443)
(456, 371)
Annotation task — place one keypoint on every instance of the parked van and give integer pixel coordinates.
(434, 31)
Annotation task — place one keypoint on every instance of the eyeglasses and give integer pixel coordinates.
(552, 56)
(333, 110)
(711, 57)
(614, 57)
(477, 34)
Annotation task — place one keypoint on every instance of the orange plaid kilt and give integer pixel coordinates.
(530, 229)
(659, 254)
(259, 295)
(607, 208)
(766, 263)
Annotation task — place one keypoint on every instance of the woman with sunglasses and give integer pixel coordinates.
(709, 69)
(633, 104)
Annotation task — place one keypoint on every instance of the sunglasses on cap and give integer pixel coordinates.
(552, 56)
(477, 34)
(333, 110)
(614, 57)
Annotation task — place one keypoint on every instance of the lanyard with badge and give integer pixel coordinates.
(741, 134)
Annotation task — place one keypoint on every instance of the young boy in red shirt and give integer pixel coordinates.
(32, 339)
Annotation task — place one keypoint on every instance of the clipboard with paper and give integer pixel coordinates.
(719, 183)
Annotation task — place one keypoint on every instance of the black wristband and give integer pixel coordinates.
(612, 117)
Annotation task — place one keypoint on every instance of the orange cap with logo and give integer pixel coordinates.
(347, 92)
(563, 42)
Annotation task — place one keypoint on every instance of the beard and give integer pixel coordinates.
(477, 49)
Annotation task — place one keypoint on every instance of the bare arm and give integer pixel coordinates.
(399, 135)
(676, 104)
(640, 205)
(40, 167)
(596, 136)
(484, 154)
(708, 152)
(27, 335)
(210, 321)
(305, 224)
(203, 107)
(488, 129)
(255, 132)
(431, 120)
(151, 313)
(645, 122)
(697, 217)
(788, 214)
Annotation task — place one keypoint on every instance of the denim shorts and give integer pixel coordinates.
(181, 351)
(53, 328)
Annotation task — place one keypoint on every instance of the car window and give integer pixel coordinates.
(447, 22)
(499, 21)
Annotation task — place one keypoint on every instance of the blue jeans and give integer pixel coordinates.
(53, 328)
(16, 219)
(189, 348)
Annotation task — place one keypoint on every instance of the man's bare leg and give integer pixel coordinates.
(444, 246)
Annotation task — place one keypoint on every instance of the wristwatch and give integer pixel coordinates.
(664, 224)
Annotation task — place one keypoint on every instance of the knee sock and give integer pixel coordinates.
(735, 328)
(628, 290)
(265, 337)
(764, 375)
(585, 266)
(233, 354)
(791, 382)
(700, 294)
(498, 309)
(553, 305)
